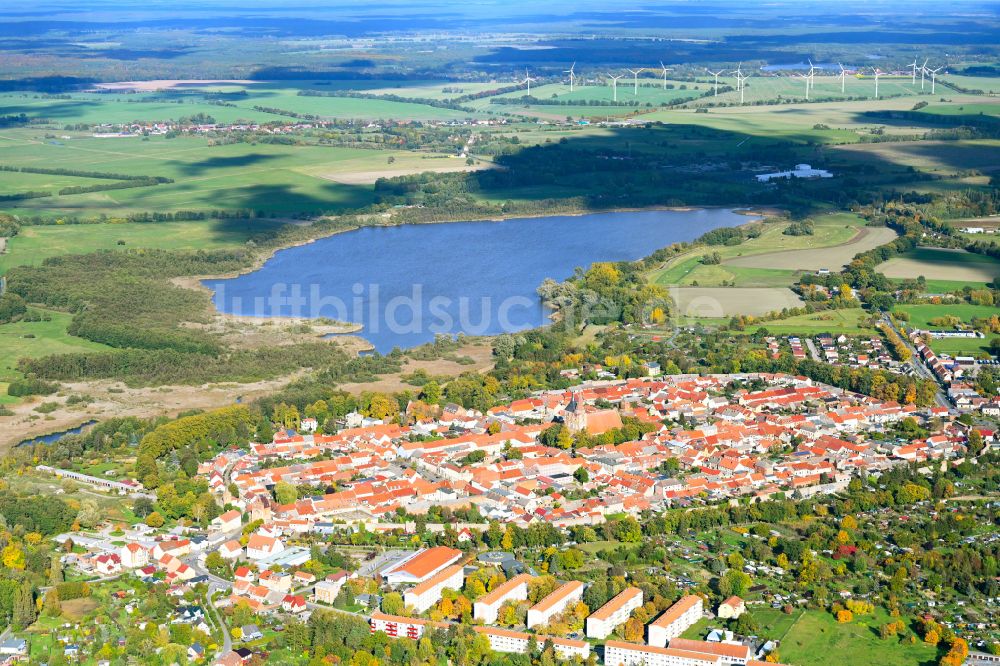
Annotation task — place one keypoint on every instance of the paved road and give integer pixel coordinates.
(215, 584)
(812, 349)
(922, 370)
(227, 640)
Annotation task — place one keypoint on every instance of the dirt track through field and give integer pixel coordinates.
(832, 258)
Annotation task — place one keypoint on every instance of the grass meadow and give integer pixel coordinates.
(36, 339)
(953, 266)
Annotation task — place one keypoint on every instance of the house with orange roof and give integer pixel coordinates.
(427, 593)
(421, 565)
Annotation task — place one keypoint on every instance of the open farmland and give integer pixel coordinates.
(34, 244)
(755, 262)
(833, 258)
(933, 156)
(270, 177)
(770, 88)
(988, 84)
(942, 264)
(713, 302)
(254, 101)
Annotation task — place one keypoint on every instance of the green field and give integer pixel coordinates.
(988, 84)
(226, 104)
(34, 244)
(849, 320)
(920, 316)
(813, 636)
(36, 339)
(953, 266)
(268, 177)
(827, 87)
(686, 270)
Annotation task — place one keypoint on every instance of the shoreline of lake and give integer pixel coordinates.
(548, 250)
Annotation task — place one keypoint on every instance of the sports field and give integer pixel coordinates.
(921, 316)
(942, 264)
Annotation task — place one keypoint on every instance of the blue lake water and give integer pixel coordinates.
(54, 437)
(407, 283)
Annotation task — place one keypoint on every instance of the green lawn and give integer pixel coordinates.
(36, 339)
(946, 286)
(920, 315)
(814, 638)
(848, 321)
(33, 244)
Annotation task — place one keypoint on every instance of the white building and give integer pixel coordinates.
(554, 603)
(401, 627)
(487, 607)
(800, 171)
(632, 654)
(231, 550)
(736, 654)
(505, 640)
(427, 593)
(613, 613)
(230, 521)
(260, 547)
(675, 620)
(134, 556)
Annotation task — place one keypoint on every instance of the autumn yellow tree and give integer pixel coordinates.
(633, 630)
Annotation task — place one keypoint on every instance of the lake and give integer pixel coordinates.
(405, 284)
(54, 437)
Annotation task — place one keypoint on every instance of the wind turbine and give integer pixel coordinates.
(742, 84)
(635, 78)
(913, 77)
(934, 77)
(805, 77)
(877, 74)
(528, 80)
(812, 74)
(572, 75)
(923, 70)
(843, 77)
(716, 75)
(614, 84)
(739, 76)
(665, 70)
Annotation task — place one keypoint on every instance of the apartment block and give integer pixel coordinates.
(615, 612)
